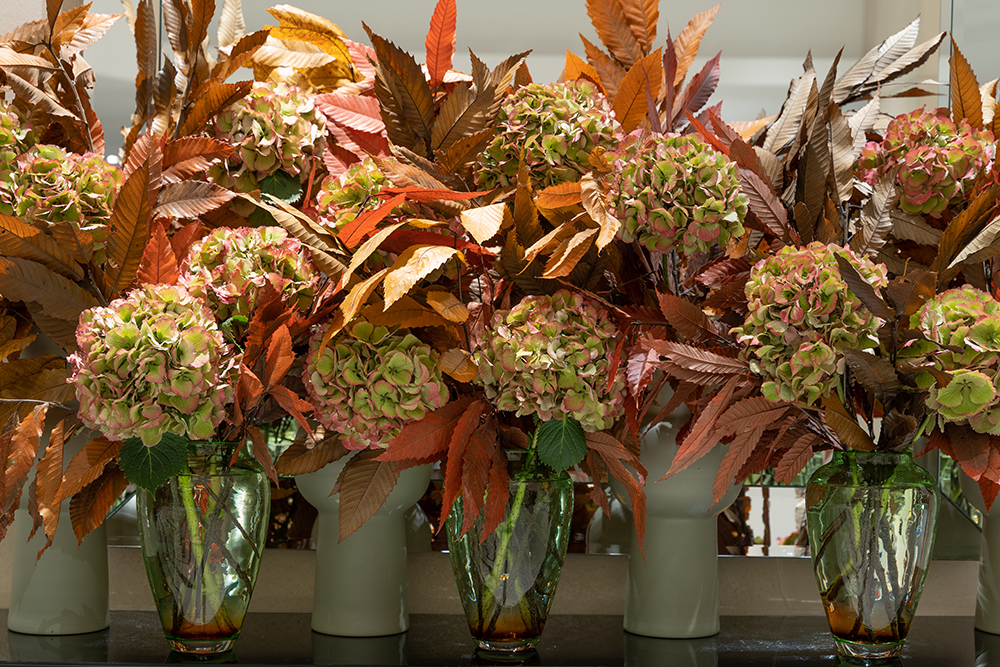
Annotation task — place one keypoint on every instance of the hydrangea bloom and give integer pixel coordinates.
(369, 384)
(557, 125)
(151, 363)
(16, 137)
(342, 198)
(275, 127)
(968, 321)
(801, 317)
(551, 356)
(53, 186)
(230, 266)
(676, 192)
(935, 161)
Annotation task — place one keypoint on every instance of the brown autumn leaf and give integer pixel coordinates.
(642, 16)
(561, 195)
(213, 97)
(578, 68)
(159, 264)
(611, 25)
(27, 242)
(89, 507)
(630, 105)
(364, 485)
(48, 476)
(128, 232)
(440, 42)
(400, 81)
(459, 364)
(448, 306)
(365, 251)
(190, 199)
(686, 44)
(598, 207)
(358, 296)
(610, 71)
(569, 253)
(966, 101)
(189, 156)
(786, 127)
(847, 428)
(484, 222)
(31, 282)
(300, 459)
(87, 466)
(413, 265)
(406, 312)
(24, 447)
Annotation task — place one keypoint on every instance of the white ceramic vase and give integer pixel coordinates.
(988, 591)
(66, 591)
(360, 588)
(674, 594)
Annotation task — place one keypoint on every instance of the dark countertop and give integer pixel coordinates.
(438, 639)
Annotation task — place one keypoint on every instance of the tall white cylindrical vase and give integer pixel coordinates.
(988, 592)
(66, 591)
(361, 585)
(675, 593)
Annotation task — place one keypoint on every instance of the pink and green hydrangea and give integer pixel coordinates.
(151, 363)
(370, 383)
(675, 192)
(934, 161)
(550, 356)
(342, 198)
(230, 266)
(802, 315)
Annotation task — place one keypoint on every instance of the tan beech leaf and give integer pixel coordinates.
(364, 485)
(611, 25)
(11, 58)
(877, 59)
(129, 230)
(401, 79)
(687, 42)
(748, 128)
(93, 28)
(611, 72)
(241, 55)
(988, 94)
(20, 240)
(484, 222)
(212, 98)
(596, 204)
(291, 53)
(24, 445)
(90, 506)
(568, 254)
(876, 219)
(786, 127)
(459, 364)
(293, 17)
(548, 242)
(448, 306)
(560, 195)
(407, 312)
(863, 120)
(48, 477)
(87, 466)
(365, 251)
(231, 23)
(329, 44)
(413, 265)
(630, 104)
(36, 97)
(358, 296)
(642, 16)
(913, 228)
(190, 199)
(847, 428)
(301, 459)
(24, 280)
(842, 153)
(980, 241)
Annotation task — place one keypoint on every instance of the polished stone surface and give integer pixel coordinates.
(441, 639)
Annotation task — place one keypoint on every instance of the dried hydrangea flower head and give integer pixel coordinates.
(16, 137)
(52, 186)
(556, 125)
(230, 266)
(967, 321)
(275, 127)
(342, 198)
(551, 356)
(935, 161)
(369, 384)
(151, 363)
(801, 317)
(676, 192)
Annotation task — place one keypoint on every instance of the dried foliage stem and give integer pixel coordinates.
(76, 94)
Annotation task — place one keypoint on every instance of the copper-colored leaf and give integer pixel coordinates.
(159, 264)
(964, 228)
(875, 374)
(20, 240)
(702, 436)
(569, 253)
(448, 306)
(48, 476)
(598, 207)
(687, 42)
(190, 199)
(630, 105)
(796, 458)
(619, 461)
(188, 156)
(608, 19)
(440, 42)
(966, 102)
(27, 281)
(459, 364)
(610, 71)
(355, 111)
(847, 428)
(642, 16)
(876, 219)
(755, 412)
(764, 204)
(242, 53)
(561, 195)
(412, 266)
(700, 88)
(406, 312)
(862, 289)
(738, 452)
(364, 485)
(300, 459)
(87, 466)
(128, 231)
(88, 508)
(212, 99)
(24, 447)
(359, 294)
(476, 471)
(748, 128)
(696, 365)
(401, 82)
(578, 68)
(429, 436)
(462, 433)
(365, 251)
(687, 318)
(911, 291)
(231, 25)
(497, 495)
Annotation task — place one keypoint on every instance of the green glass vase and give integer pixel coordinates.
(871, 519)
(507, 581)
(202, 535)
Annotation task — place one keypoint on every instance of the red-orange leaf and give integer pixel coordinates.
(497, 495)
(687, 318)
(129, 230)
(184, 238)
(279, 357)
(702, 436)
(755, 412)
(88, 508)
(429, 436)
(293, 405)
(299, 459)
(464, 428)
(261, 453)
(795, 459)
(440, 43)
(476, 471)
(364, 484)
(189, 199)
(87, 466)
(158, 265)
(356, 230)
(737, 453)
(616, 457)
(354, 111)
(48, 475)
(630, 103)
(612, 27)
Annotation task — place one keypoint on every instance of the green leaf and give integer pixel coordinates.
(282, 185)
(561, 443)
(149, 467)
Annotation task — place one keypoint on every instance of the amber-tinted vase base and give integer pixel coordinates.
(201, 647)
(506, 647)
(858, 653)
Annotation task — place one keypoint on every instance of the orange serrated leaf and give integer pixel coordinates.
(459, 364)
(406, 312)
(568, 254)
(364, 485)
(578, 68)
(687, 42)
(795, 458)
(448, 306)
(159, 264)
(464, 428)
(87, 466)
(440, 42)
(429, 436)
(212, 99)
(89, 507)
(299, 459)
(497, 495)
(611, 25)
(616, 456)
(359, 294)
(598, 208)
(630, 103)
(476, 472)
(128, 231)
(413, 265)
(966, 101)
